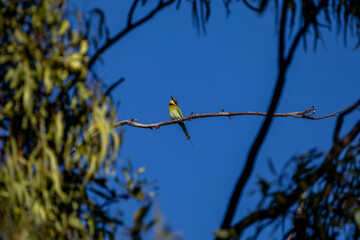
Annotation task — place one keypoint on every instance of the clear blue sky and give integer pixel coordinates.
(234, 68)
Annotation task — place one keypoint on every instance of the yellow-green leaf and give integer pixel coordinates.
(75, 222)
(84, 45)
(47, 81)
(64, 26)
(59, 130)
(20, 36)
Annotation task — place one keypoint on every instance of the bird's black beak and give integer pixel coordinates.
(172, 97)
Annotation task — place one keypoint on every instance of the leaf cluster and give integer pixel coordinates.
(48, 106)
(344, 16)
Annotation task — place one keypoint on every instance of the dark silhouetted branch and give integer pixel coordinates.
(114, 85)
(283, 63)
(341, 119)
(130, 26)
(270, 213)
(245, 174)
(303, 30)
(111, 88)
(340, 144)
(251, 6)
(131, 12)
(275, 211)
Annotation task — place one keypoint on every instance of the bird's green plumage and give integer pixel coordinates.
(175, 113)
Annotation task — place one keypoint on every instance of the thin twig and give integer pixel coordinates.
(340, 144)
(111, 88)
(128, 28)
(131, 12)
(340, 121)
(114, 85)
(251, 6)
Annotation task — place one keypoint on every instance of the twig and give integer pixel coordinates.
(301, 114)
(251, 6)
(131, 12)
(341, 119)
(114, 85)
(340, 144)
(130, 26)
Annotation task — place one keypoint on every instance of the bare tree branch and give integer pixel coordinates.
(306, 114)
(130, 26)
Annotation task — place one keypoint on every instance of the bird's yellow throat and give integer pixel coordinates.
(173, 102)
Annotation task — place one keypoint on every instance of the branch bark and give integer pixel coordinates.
(306, 114)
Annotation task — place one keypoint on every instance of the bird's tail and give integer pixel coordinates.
(182, 125)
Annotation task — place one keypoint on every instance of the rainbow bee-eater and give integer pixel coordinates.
(175, 113)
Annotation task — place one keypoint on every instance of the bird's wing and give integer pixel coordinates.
(179, 112)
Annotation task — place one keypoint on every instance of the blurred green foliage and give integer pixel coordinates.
(57, 142)
(48, 107)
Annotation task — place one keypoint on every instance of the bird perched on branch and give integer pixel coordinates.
(175, 113)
